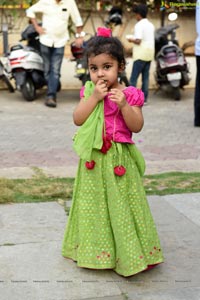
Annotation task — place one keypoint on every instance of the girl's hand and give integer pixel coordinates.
(100, 90)
(118, 97)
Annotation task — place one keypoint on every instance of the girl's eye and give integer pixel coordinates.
(93, 69)
(107, 67)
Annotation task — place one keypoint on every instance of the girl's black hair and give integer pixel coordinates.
(107, 45)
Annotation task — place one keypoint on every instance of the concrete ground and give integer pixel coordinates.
(31, 265)
(35, 135)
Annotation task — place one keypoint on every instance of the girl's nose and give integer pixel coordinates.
(100, 73)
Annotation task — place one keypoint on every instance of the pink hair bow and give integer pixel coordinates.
(103, 31)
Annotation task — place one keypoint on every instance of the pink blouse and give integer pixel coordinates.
(115, 125)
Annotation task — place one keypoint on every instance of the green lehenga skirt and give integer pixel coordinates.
(110, 225)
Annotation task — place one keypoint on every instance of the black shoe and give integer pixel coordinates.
(51, 102)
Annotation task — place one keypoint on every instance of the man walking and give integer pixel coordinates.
(143, 49)
(53, 37)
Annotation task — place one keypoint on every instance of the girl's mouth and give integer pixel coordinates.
(107, 85)
(106, 82)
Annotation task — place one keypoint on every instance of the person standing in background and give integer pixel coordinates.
(197, 53)
(53, 36)
(143, 49)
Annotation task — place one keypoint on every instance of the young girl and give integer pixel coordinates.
(110, 224)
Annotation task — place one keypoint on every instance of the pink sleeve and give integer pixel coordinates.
(82, 92)
(134, 96)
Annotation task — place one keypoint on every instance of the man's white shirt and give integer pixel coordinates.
(197, 42)
(55, 18)
(144, 30)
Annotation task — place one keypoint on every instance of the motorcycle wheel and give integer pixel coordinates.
(177, 93)
(28, 90)
(9, 84)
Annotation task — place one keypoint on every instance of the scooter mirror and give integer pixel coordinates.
(173, 16)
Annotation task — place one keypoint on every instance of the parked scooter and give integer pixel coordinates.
(5, 73)
(171, 66)
(114, 19)
(81, 68)
(27, 64)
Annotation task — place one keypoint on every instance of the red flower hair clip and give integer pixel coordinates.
(103, 31)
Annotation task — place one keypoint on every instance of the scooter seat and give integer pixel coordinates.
(16, 47)
(32, 49)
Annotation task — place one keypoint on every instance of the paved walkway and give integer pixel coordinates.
(31, 265)
(32, 268)
(35, 135)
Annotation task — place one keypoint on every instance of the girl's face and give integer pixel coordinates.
(105, 67)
